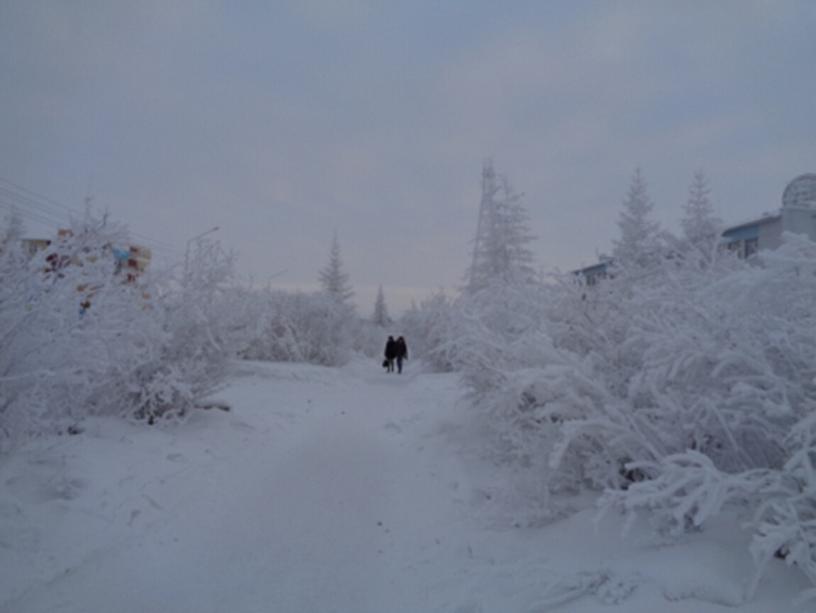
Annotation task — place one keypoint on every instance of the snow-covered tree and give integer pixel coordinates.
(639, 242)
(72, 333)
(12, 230)
(380, 316)
(429, 328)
(333, 279)
(298, 327)
(204, 317)
(691, 394)
(500, 306)
(78, 337)
(501, 252)
(680, 390)
(701, 226)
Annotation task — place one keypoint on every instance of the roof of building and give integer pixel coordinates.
(767, 218)
(597, 267)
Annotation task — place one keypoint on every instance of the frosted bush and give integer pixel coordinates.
(429, 327)
(79, 338)
(717, 399)
(203, 317)
(368, 338)
(301, 327)
(683, 387)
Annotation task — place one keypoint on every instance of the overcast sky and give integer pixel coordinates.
(281, 122)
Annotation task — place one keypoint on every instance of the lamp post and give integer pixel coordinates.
(187, 250)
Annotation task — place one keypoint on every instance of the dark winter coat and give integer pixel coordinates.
(402, 348)
(391, 349)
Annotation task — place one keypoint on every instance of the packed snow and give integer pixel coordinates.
(333, 489)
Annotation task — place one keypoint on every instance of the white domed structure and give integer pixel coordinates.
(801, 192)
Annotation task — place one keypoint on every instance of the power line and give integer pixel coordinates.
(32, 216)
(42, 200)
(29, 215)
(25, 202)
(56, 224)
(57, 212)
(45, 203)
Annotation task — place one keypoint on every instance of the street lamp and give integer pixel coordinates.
(187, 250)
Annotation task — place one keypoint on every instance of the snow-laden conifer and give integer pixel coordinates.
(12, 230)
(639, 241)
(701, 226)
(333, 278)
(380, 316)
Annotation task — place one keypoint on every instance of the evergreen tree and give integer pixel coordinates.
(701, 226)
(640, 235)
(380, 316)
(501, 250)
(11, 233)
(333, 279)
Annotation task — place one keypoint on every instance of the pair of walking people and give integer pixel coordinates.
(395, 351)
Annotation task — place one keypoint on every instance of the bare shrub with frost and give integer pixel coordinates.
(300, 327)
(730, 376)
(72, 332)
(79, 338)
(429, 327)
(683, 384)
(681, 390)
(204, 318)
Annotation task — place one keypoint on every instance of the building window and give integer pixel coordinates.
(751, 247)
(735, 247)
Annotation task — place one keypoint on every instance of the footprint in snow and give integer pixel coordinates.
(238, 424)
(41, 488)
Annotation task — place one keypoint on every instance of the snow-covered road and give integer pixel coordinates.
(316, 493)
(323, 490)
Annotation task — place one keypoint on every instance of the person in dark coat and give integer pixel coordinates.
(390, 353)
(402, 353)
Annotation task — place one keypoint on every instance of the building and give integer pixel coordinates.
(130, 261)
(32, 245)
(133, 261)
(797, 214)
(595, 272)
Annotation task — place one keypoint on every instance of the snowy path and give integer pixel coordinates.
(323, 490)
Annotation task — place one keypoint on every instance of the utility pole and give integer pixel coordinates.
(485, 212)
(187, 250)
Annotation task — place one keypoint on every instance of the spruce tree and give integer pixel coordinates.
(701, 226)
(11, 232)
(333, 279)
(380, 316)
(639, 242)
